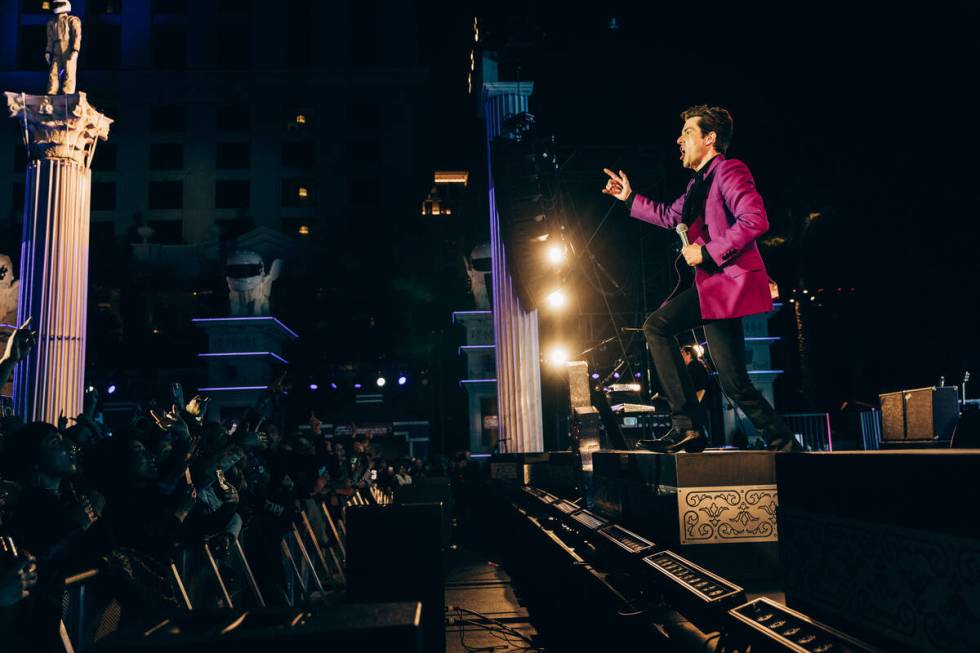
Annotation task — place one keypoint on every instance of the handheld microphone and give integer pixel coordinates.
(681, 230)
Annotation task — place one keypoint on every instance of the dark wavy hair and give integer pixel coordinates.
(713, 119)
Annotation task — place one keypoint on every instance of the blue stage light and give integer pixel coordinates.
(402, 380)
(314, 386)
(110, 389)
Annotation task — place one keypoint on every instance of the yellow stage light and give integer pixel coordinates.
(556, 254)
(557, 356)
(557, 299)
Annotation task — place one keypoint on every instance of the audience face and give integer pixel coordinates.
(57, 456)
(142, 466)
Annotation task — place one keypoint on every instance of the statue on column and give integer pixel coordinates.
(8, 291)
(61, 53)
(249, 287)
(478, 267)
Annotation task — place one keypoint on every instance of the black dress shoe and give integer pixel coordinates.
(785, 445)
(676, 440)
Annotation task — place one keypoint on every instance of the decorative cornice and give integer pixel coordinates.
(493, 89)
(59, 126)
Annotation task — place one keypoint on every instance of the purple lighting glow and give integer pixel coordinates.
(314, 387)
(358, 386)
(333, 386)
(616, 375)
(402, 380)
(595, 375)
(637, 375)
(233, 388)
(110, 389)
(207, 320)
(245, 353)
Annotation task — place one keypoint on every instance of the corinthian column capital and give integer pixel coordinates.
(58, 126)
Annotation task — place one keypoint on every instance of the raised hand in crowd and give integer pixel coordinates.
(19, 344)
(18, 574)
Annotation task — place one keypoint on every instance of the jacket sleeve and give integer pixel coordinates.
(744, 202)
(658, 213)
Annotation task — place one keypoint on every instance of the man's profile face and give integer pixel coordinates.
(686, 356)
(694, 145)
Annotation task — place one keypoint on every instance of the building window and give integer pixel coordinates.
(102, 43)
(232, 156)
(166, 156)
(365, 116)
(35, 6)
(298, 227)
(298, 118)
(365, 155)
(298, 154)
(231, 194)
(233, 35)
(167, 232)
(233, 118)
(168, 46)
(103, 7)
(31, 41)
(298, 192)
(363, 33)
(103, 196)
(169, 7)
(105, 157)
(299, 34)
(166, 195)
(167, 119)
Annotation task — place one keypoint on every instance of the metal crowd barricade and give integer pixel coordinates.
(813, 428)
(871, 429)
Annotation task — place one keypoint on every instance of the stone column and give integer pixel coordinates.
(515, 329)
(60, 133)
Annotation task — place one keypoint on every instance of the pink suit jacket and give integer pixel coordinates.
(734, 218)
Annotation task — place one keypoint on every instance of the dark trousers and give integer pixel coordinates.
(726, 346)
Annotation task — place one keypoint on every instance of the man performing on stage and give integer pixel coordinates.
(724, 215)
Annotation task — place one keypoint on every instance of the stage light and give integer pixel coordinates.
(556, 254)
(595, 376)
(381, 381)
(698, 350)
(402, 380)
(333, 386)
(304, 230)
(616, 375)
(637, 375)
(557, 299)
(314, 387)
(302, 192)
(557, 356)
(111, 389)
(358, 386)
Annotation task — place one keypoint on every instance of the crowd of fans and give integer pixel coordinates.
(74, 497)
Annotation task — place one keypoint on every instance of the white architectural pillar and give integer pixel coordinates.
(60, 133)
(515, 329)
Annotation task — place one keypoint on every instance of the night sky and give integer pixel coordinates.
(862, 116)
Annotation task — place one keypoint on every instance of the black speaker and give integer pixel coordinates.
(394, 553)
(922, 414)
(435, 489)
(524, 205)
